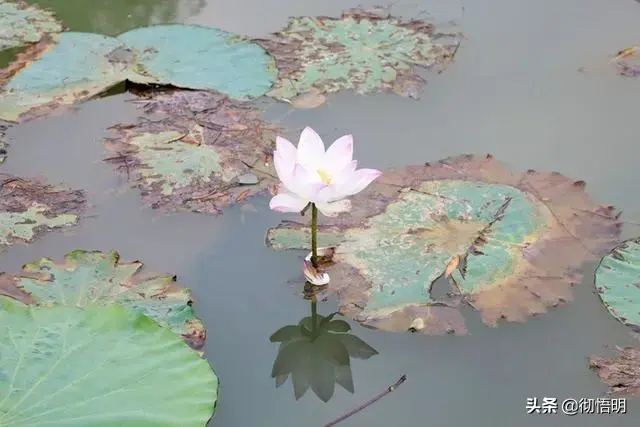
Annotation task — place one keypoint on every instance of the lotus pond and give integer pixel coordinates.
(147, 280)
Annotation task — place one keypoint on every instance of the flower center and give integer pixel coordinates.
(325, 177)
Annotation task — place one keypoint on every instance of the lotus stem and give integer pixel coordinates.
(314, 316)
(314, 235)
(369, 402)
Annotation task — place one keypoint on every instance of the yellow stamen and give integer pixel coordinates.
(324, 176)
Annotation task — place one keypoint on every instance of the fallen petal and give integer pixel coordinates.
(314, 276)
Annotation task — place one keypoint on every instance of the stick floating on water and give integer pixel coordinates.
(369, 402)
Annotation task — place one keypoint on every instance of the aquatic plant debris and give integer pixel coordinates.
(195, 151)
(628, 62)
(617, 280)
(73, 66)
(94, 277)
(508, 244)
(21, 23)
(97, 366)
(621, 374)
(361, 51)
(29, 208)
(3, 144)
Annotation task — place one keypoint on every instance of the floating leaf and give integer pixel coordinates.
(618, 283)
(317, 359)
(361, 51)
(94, 277)
(21, 24)
(77, 66)
(98, 366)
(519, 239)
(621, 374)
(72, 67)
(215, 59)
(628, 62)
(199, 155)
(29, 208)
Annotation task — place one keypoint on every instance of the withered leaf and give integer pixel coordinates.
(29, 208)
(621, 374)
(418, 223)
(321, 55)
(211, 162)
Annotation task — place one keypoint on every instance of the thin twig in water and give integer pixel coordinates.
(369, 402)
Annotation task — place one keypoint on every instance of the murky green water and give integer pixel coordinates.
(514, 91)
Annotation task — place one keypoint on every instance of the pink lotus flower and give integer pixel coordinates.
(310, 175)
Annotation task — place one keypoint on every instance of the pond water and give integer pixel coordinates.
(515, 91)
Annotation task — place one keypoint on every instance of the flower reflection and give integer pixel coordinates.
(316, 354)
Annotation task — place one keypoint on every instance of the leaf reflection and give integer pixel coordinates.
(316, 353)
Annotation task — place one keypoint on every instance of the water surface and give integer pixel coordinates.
(514, 91)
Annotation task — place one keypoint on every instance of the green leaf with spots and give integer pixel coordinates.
(21, 24)
(98, 366)
(94, 277)
(617, 280)
(214, 60)
(69, 68)
(75, 66)
(195, 151)
(30, 208)
(361, 51)
(423, 241)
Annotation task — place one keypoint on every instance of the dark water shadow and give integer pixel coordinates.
(316, 354)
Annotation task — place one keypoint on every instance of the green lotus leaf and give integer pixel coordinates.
(361, 51)
(618, 282)
(98, 366)
(68, 68)
(21, 24)
(507, 244)
(215, 60)
(76, 66)
(93, 277)
(30, 208)
(200, 152)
